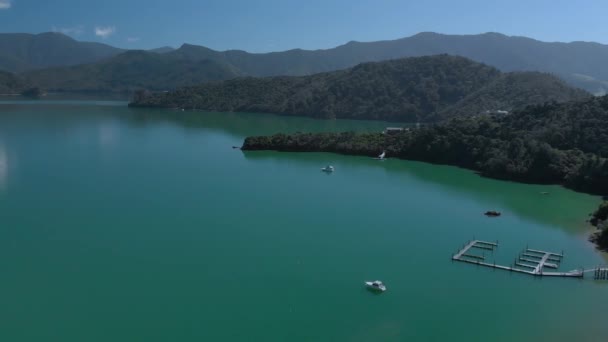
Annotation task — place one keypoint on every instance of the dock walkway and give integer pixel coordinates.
(530, 262)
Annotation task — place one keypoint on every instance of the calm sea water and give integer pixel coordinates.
(119, 224)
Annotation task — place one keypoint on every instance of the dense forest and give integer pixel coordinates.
(407, 90)
(551, 143)
(11, 83)
(600, 220)
(514, 90)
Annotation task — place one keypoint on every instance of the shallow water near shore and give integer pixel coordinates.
(121, 224)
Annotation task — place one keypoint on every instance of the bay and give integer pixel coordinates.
(121, 224)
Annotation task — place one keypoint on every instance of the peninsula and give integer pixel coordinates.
(564, 144)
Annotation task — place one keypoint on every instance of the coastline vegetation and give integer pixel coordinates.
(564, 144)
(600, 220)
(10, 83)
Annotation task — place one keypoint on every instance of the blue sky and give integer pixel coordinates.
(273, 25)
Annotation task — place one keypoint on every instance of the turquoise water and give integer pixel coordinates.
(145, 225)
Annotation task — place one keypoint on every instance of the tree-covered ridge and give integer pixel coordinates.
(406, 90)
(130, 71)
(553, 143)
(23, 51)
(11, 83)
(515, 90)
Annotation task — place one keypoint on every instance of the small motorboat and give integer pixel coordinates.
(492, 213)
(328, 168)
(375, 285)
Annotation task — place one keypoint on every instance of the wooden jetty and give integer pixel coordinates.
(531, 261)
(599, 273)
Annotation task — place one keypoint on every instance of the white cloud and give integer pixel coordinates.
(5, 4)
(73, 31)
(103, 31)
(133, 39)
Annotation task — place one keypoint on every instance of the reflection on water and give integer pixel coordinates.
(55, 98)
(167, 210)
(561, 207)
(241, 125)
(108, 134)
(3, 167)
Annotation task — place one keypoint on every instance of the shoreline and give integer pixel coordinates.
(255, 147)
(590, 231)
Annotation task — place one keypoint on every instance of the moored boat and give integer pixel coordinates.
(375, 285)
(381, 156)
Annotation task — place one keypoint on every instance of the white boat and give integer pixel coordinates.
(375, 285)
(328, 168)
(381, 156)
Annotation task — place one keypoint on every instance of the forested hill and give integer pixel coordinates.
(407, 90)
(130, 71)
(553, 143)
(11, 83)
(515, 90)
(23, 51)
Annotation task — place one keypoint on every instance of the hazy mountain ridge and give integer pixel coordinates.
(163, 49)
(581, 64)
(414, 89)
(21, 51)
(130, 71)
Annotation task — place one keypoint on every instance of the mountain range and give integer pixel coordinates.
(130, 71)
(430, 88)
(582, 64)
(23, 51)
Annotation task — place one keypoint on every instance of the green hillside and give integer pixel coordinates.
(130, 71)
(407, 90)
(11, 83)
(22, 51)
